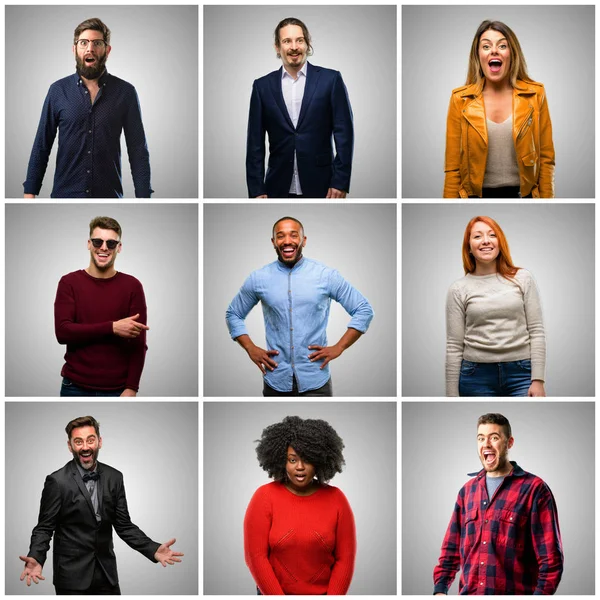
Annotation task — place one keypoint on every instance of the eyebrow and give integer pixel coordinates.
(488, 40)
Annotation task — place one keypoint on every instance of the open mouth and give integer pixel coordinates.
(489, 457)
(288, 252)
(300, 478)
(86, 456)
(495, 65)
(89, 60)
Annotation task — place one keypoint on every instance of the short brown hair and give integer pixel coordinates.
(299, 23)
(105, 223)
(496, 419)
(94, 24)
(82, 422)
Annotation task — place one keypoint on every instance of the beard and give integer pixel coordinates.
(89, 466)
(106, 266)
(287, 262)
(92, 72)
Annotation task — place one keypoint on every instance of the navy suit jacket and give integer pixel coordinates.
(325, 111)
(66, 511)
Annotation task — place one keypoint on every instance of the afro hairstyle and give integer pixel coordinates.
(314, 440)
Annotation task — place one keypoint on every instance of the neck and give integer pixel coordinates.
(501, 472)
(293, 71)
(311, 489)
(90, 82)
(497, 87)
(94, 271)
(485, 268)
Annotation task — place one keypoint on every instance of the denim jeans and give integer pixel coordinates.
(326, 390)
(495, 379)
(68, 388)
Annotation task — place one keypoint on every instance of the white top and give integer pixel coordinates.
(501, 168)
(293, 92)
(492, 319)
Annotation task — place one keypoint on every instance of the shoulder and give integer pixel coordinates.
(524, 275)
(73, 278)
(471, 89)
(264, 271)
(315, 265)
(267, 492)
(334, 494)
(458, 286)
(324, 71)
(117, 82)
(129, 281)
(264, 80)
(60, 84)
(109, 471)
(532, 87)
(61, 473)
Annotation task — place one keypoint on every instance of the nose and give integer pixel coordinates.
(104, 245)
(300, 465)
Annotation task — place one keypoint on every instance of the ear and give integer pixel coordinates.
(304, 242)
(119, 247)
(277, 49)
(99, 442)
(89, 245)
(273, 242)
(108, 49)
(69, 446)
(511, 441)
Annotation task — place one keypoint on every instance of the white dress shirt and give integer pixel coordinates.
(293, 92)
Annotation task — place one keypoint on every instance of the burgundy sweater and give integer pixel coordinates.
(84, 311)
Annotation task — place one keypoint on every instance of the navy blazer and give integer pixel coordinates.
(66, 511)
(325, 110)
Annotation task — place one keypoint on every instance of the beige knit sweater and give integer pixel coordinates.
(493, 319)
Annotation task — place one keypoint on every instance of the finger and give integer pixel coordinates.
(28, 580)
(272, 352)
(35, 579)
(170, 543)
(315, 347)
(135, 316)
(22, 576)
(41, 577)
(328, 193)
(170, 562)
(270, 363)
(24, 558)
(325, 362)
(262, 369)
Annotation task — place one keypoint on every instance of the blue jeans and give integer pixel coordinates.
(68, 388)
(494, 379)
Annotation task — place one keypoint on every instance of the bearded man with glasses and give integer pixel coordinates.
(100, 314)
(90, 109)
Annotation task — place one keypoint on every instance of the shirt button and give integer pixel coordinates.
(291, 329)
(90, 172)
(510, 519)
(485, 542)
(86, 91)
(485, 520)
(88, 191)
(481, 583)
(89, 151)
(484, 502)
(89, 131)
(482, 563)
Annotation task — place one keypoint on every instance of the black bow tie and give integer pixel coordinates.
(91, 477)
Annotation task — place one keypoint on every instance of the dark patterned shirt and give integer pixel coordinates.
(88, 164)
(507, 545)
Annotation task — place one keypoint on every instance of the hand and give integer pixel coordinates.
(333, 193)
(262, 358)
(129, 327)
(263, 196)
(165, 556)
(129, 392)
(324, 352)
(32, 570)
(440, 594)
(537, 389)
(29, 196)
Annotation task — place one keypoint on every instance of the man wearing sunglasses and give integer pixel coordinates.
(90, 109)
(100, 314)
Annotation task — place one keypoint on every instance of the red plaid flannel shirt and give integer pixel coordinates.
(507, 545)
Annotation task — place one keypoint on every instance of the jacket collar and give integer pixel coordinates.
(516, 471)
(476, 89)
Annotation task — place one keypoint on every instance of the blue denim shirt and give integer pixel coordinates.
(88, 163)
(295, 305)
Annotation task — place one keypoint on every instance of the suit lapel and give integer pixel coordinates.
(275, 84)
(79, 482)
(312, 78)
(99, 486)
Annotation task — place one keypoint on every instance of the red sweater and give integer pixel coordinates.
(300, 544)
(84, 311)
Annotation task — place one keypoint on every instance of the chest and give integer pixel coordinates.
(498, 107)
(296, 291)
(96, 303)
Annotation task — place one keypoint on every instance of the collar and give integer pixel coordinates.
(516, 472)
(83, 471)
(101, 80)
(285, 269)
(302, 71)
(475, 89)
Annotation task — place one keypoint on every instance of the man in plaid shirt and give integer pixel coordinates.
(504, 534)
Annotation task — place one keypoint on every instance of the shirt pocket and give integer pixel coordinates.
(471, 528)
(511, 526)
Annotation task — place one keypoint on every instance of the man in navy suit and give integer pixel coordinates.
(300, 106)
(81, 503)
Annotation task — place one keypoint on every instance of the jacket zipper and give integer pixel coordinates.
(525, 125)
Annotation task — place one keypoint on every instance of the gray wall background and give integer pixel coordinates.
(358, 41)
(554, 440)
(554, 242)
(368, 481)
(160, 248)
(154, 445)
(436, 41)
(155, 48)
(358, 240)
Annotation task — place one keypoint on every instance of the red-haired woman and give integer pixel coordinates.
(499, 134)
(495, 341)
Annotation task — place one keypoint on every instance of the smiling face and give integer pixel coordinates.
(300, 474)
(102, 259)
(288, 241)
(91, 61)
(492, 447)
(293, 47)
(484, 243)
(85, 445)
(494, 56)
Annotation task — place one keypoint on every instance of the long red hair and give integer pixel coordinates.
(504, 263)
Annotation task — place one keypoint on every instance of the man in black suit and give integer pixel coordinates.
(80, 505)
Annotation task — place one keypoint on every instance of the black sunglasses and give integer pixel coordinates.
(110, 244)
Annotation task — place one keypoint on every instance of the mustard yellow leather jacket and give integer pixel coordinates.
(467, 141)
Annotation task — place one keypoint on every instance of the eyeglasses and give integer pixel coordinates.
(110, 244)
(99, 44)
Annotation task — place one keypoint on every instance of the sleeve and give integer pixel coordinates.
(42, 146)
(138, 345)
(546, 179)
(343, 134)
(345, 551)
(452, 164)
(354, 303)
(535, 327)
(137, 148)
(449, 561)
(245, 300)
(257, 525)
(455, 339)
(42, 533)
(68, 331)
(255, 147)
(130, 533)
(547, 544)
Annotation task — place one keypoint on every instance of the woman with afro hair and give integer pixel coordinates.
(299, 534)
